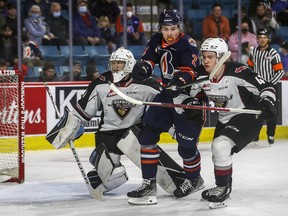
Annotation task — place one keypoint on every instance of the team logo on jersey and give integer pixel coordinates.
(122, 107)
(239, 69)
(111, 93)
(220, 100)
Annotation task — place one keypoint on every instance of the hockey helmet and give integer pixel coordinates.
(263, 31)
(125, 56)
(170, 17)
(217, 45)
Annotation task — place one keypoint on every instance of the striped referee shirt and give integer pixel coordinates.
(267, 63)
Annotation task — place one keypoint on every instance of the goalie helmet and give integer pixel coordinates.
(217, 45)
(125, 56)
(170, 17)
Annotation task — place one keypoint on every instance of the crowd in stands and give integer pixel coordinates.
(99, 23)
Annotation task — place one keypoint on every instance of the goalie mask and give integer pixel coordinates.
(217, 45)
(121, 56)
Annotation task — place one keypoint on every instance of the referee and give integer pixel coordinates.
(266, 61)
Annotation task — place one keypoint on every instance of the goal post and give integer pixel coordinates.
(12, 126)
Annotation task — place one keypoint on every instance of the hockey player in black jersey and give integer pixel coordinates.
(234, 86)
(177, 56)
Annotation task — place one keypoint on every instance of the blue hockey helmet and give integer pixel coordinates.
(170, 17)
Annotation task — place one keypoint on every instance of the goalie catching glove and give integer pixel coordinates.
(68, 128)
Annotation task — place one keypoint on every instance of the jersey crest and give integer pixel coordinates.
(122, 107)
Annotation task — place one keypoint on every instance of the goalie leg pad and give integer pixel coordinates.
(169, 174)
(109, 169)
(66, 129)
(117, 178)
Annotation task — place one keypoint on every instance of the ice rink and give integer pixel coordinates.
(54, 186)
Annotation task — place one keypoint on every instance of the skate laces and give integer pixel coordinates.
(146, 183)
(217, 191)
(186, 186)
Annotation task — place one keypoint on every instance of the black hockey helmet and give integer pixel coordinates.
(263, 31)
(170, 17)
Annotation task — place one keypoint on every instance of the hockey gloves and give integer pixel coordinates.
(180, 79)
(141, 71)
(268, 108)
(193, 114)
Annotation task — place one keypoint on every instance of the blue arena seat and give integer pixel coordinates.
(196, 14)
(137, 50)
(78, 52)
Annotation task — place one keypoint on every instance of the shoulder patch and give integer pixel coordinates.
(239, 69)
(192, 42)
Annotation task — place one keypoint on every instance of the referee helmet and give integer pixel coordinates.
(263, 32)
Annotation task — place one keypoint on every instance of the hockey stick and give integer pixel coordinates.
(171, 105)
(219, 64)
(213, 72)
(93, 192)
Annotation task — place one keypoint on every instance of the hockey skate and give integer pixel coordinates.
(189, 186)
(217, 196)
(145, 195)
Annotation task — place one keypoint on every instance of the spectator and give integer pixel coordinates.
(42, 4)
(107, 8)
(233, 22)
(11, 18)
(8, 45)
(3, 8)
(216, 25)
(36, 26)
(3, 65)
(32, 55)
(86, 31)
(48, 74)
(77, 68)
(105, 29)
(246, 36)
(284, 57)
(281, 9)
(91, 73)
(58, 25)
(245, 52)
(264, 19)
(135, 30)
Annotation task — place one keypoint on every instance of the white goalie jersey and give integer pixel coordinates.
(117, 112)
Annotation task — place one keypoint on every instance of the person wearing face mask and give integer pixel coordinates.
(246, 36)
(58, 25)
(36, 27)
(135, 30)
(85, 29)
(8, 45)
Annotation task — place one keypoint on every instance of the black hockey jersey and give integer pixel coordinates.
(238, 88)
(180, 56)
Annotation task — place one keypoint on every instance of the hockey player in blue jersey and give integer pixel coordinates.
(177, 56)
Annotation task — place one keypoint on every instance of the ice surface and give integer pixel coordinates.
(54, 186)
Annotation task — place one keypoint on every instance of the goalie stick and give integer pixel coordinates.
(97, 194)
(183, 106)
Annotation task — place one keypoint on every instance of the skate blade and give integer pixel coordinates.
(147, 200)
(216, 205)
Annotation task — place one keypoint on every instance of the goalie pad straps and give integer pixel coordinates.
(66, 129)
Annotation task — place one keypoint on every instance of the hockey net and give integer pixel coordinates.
(12, 126)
